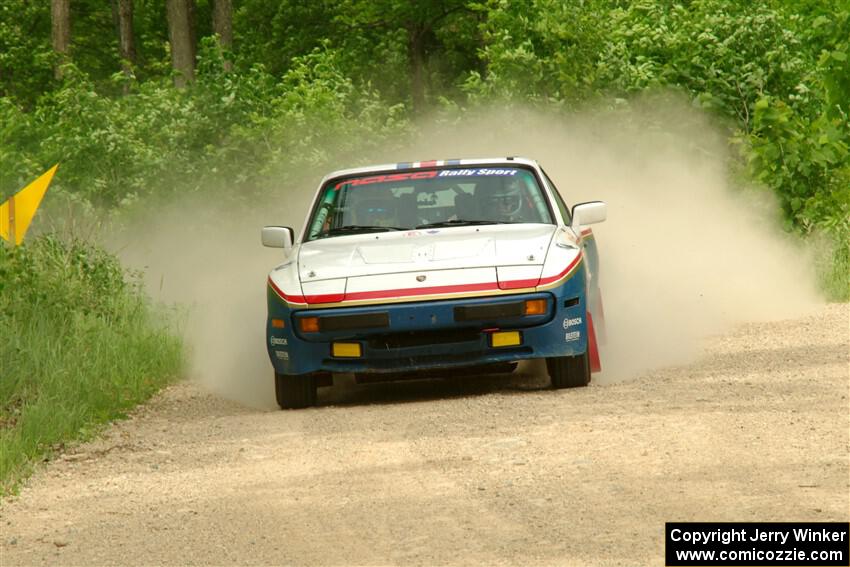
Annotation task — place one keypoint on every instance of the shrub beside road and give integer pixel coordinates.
(79, 343)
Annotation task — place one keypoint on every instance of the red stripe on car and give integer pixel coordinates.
(285, 296)
(551, 279)
(414, 291)
(592, 348)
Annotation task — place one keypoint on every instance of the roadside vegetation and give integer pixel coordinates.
(79, 344)
(144, 100)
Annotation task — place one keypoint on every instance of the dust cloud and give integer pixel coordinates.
(206, 256)
(683, 255)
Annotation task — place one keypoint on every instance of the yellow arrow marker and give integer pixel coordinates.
(17, 213)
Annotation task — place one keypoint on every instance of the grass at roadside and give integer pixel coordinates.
(80, 345)
(835, 278)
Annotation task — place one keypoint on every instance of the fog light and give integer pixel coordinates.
(505, 338)
(309, 324)
(346, 350)
(278, 323)
(535, 307)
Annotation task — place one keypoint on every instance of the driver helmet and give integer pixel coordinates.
(507, 200)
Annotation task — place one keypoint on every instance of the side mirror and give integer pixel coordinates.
(588, 213)
(278, 236)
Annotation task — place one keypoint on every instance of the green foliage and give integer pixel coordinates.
(800, 159)
(801, 148)
(372, 37)
(316, 112)
(233, 127)
(537, 49)
(727, 54)
(313, 81)
(320, 79)
(79, 345)
(26, 59)
(777, 74)
(274, 33)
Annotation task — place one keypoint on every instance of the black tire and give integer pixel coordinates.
(296, 391)
(569, 371)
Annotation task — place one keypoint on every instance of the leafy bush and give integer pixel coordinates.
(227, 129)
(79, 345)
(325, 79)
(26, 60)
(539, 50)
(777, 75)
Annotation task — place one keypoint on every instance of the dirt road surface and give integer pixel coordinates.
(483, 470)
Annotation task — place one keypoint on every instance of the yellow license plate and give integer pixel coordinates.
(505, 338)
(346, 350)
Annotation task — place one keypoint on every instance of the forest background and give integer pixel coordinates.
(141, 98)
(145, 101)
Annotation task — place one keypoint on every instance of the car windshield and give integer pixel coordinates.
(428, 199)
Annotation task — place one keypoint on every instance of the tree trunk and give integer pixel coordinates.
(122, 17)
(180, 33)
(115, 23)
(223, 26)
(416, 53)
(193, 28)
(60, 19)
(126, 38)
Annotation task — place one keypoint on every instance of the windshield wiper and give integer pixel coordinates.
(460, 222)
(355, 228)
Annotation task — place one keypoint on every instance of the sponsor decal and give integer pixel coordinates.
(481, 171)
(386, 178)
(571, 322)
(572, 336)
(390, 177)
(279, 341)
(281, 354)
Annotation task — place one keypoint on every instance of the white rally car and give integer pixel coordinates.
(434, 265)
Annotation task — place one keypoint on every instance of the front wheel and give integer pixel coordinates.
(569, 371)
(295, 391)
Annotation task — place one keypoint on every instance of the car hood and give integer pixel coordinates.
(328, 267)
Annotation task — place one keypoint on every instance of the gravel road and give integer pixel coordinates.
(480, 470)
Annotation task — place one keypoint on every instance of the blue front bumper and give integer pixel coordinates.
(428, 334)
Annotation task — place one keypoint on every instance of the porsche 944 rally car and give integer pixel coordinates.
(434, 265)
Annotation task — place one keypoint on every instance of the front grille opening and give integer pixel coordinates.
(423, 338)
(425, 361)
(359, 321)
(489, 311)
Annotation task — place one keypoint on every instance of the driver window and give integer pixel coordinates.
(562, 206)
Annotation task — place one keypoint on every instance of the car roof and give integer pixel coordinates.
(429, 164)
